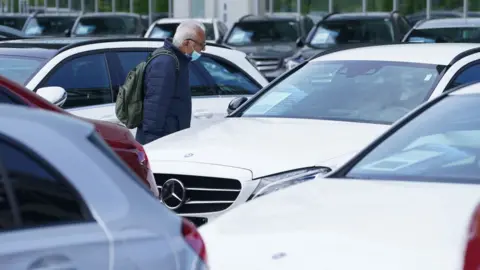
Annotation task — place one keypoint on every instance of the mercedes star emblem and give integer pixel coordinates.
(173, 194)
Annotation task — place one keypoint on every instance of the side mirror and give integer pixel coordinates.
(54, 94)
(235, 104)
(67, 32)
(300, 43)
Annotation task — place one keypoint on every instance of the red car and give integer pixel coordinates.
(472, 252)
(118, 137)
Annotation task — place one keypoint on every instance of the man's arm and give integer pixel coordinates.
(160, 78)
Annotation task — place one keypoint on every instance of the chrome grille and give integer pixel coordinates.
(264, 64)
(203, 194)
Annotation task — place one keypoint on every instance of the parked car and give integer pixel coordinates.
(215, 29)
(346, 29)
(10, 33)
(70, 203)
(117, 24)
(472, 252)
(310, 120)
(268, 40)
(50, 24)
(408, 194)
(91, 71)
(14, 20)
(445, 30)
(119, 138)
(438, 14)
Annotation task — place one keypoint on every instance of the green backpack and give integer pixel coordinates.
(129, 103)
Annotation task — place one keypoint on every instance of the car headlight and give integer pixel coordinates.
(279, 181)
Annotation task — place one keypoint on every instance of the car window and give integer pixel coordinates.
(52, 25)
(85, 79)
(111, 25)
(448, 34)
(354, 91)
(330, 33)
(13, 22)
(470, 74)
(18, 68)
(200, 82)
(5, 98)
(41, 194)
(403, 25)
(129, 60)
(440, 145)
(228, 79)
(308, 25)
(246, 33)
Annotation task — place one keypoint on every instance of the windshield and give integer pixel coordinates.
(13, 22)
(247, 33)
(106, 26)
(330, 33)
(49, 26)
(435, 35)
(440, 145)
(167, 30)
(354, 91)
(19, 69)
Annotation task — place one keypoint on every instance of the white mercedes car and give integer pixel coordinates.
(91, 69)
(308, 121)
(404, 202)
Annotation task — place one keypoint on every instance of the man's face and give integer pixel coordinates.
(199, 42)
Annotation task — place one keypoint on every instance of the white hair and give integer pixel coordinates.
(187, 30)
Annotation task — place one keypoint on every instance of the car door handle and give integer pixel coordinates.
(53, 262)
(203, 114)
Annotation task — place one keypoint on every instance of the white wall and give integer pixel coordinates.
(181, 8)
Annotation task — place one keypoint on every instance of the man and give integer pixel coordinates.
(167, 105)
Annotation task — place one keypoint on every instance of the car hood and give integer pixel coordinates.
(346, 224)
(264, 145)
(278, 50)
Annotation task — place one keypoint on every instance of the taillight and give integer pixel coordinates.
(194, 239)
(472, 252)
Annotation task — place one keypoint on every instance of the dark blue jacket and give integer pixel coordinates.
(167, 107)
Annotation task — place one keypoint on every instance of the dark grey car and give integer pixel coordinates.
(268, 40)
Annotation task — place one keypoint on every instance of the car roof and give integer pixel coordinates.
(58, 14)
(449, 23)
(14, 15)
(179, 20)
(270, 17)
(358, 16)
(424, 53)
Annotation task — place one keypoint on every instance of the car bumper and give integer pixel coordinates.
(210, 190)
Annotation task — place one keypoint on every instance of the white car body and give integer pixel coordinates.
(247, 149)
(179, 20)
(205, 109)
(346, 224)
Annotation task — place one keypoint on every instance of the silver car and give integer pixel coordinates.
(68, 202)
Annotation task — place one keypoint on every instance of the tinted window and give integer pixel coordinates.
(308, 25)
(85, 79)
(5, 98)
(244, 33)
(13, 22)
(469, 75)
(129, 60)
(228, 79)
(356, 91)
(200, 82)
(166, 30)
(330, 33)
(54, 25)
(403, 25)
(42, 196)
(450, 34)
(112, 25)
(19, 69)
(440, 145)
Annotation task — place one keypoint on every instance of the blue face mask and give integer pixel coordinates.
(195, 55)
